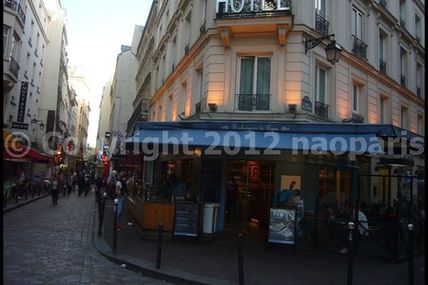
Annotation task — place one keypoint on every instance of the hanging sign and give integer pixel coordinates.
(22, 102)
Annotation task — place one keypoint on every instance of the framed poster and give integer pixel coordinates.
(282, 226)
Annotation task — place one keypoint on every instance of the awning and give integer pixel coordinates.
(24, 153)
(277, 138)
(129, 161)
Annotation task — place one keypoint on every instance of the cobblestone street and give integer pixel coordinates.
(44, 244)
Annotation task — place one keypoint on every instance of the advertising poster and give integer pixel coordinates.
(282, 226)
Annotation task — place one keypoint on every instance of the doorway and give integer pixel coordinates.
(249, 191)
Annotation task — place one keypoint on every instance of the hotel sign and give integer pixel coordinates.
(233, 7)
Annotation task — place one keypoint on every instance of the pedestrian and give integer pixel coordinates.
(87, 183)
(55, 190)
(36, 184)
(120, 196)
(80, 183)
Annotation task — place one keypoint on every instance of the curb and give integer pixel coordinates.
(135, 265)
(24, 203)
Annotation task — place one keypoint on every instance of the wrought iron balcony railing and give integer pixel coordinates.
(382, 65)
(17, 7)
(14, 67)
(403, 80)
(359, 48)
(321, 24)
(357, 118)
(321, 109)
(253, 102)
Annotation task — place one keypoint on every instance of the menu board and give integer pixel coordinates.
(186, 218)
(282, 223)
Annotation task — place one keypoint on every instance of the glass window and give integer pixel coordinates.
(5, 39)
(320, 7)
(357, 23)
(382, 119)
(355, 98)
(421, 124)
(320, 79)
(404, 117)
(418, 27)
(254, 83)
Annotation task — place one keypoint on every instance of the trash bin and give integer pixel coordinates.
(210, 217)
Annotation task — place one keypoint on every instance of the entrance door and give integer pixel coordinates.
(249, 192)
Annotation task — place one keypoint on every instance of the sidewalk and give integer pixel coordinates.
(12, 205)
(215, 262)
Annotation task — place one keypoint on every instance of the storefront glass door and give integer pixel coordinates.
(249, 191)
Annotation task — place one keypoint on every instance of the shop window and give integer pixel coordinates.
(254, 84)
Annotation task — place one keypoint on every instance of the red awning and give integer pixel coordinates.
(24, 153)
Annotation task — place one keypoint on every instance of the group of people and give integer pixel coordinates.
(20, 187)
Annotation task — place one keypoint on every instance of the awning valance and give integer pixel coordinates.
(250, 139)
(24, 153)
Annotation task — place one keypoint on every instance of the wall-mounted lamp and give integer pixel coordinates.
(39, 122)
(198, 152)
(332, 51)
(182, 116)
(213, 107)
(12, 101)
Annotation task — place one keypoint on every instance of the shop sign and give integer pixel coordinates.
(22, 102)
(306, 104)
(18, 125)
(282, 226)
(186, 219)
(251, 6)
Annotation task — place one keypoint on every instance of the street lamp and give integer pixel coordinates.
(332, 51)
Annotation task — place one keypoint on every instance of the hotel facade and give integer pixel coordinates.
(262, 66)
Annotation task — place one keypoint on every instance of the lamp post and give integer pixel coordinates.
(332, 51)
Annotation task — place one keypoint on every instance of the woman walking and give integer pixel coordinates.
(55, 190)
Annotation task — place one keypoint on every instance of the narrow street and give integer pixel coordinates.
(44, 244)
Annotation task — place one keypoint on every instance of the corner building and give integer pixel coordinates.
(216, 63)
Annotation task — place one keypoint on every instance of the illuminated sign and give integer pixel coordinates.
(251, 6)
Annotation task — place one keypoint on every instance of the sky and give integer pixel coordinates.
(96, 30)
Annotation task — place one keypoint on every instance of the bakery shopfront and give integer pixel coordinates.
(244, 175)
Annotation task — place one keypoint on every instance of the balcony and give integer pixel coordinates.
(357, 118)
(16, 7)
(321, 24)
(403, 80)
(253, 102)
(359, 48)
(321, 110)
(14, 67)
(382, 65)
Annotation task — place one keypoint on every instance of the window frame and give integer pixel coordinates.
(6, 32)
(254, 81)
(355, 25)
(318, 68)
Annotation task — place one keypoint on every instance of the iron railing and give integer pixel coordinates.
(382, 65)
(253, 102)
(17, 7)
(403, 80)
(357, 118)
(321, 109)
(321, 24)
(359, 48)
(14, 67)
